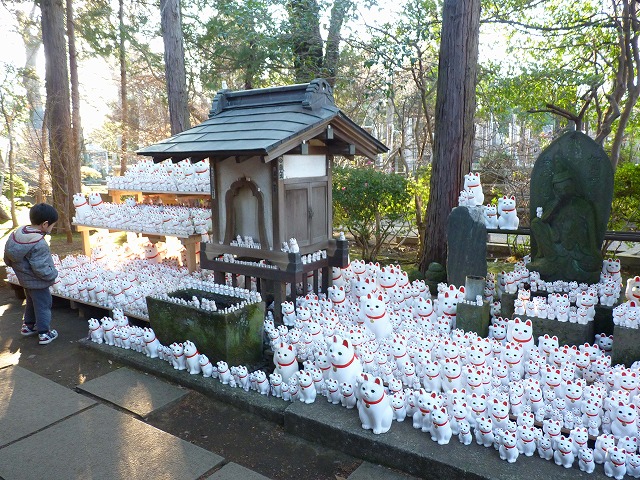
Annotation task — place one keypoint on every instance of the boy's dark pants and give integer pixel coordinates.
(38, 309)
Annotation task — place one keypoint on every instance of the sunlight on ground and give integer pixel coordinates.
(6, 392)
(139, 394)
(8, 358)
(4, 308)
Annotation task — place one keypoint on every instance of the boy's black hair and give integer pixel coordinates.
(43, 212)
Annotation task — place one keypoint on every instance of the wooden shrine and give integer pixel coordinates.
(271, 152)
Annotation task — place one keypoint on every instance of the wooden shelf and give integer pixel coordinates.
(165, 196)
(88, 303)
(189, 241)
(118, 191)
(83, 227)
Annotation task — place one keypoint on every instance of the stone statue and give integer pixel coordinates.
(565, 235)
(572, 183)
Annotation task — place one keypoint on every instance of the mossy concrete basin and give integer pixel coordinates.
(234, 337)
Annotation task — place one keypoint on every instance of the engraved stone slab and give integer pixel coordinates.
(466, 245)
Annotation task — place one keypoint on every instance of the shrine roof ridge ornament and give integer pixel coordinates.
(312, 96)
(267, 123)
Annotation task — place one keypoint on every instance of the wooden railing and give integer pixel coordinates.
(608, 235)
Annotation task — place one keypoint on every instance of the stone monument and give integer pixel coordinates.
(466, 244)
(572, 181)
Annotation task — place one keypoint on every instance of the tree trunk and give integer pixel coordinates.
(123, 91)
(12, 169)
(171, 23)
(30, 31)
(4, 216)
(43, 172)
(8, 122)
(306, 41)
(332, 51)
(58, 106)
(75, 160)
(454, 128)
(626, 82)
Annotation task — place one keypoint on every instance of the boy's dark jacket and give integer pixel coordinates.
(28, 254)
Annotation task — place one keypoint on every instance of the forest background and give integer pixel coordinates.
(544, 66)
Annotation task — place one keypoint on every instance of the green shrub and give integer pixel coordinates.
(88, 172)
(369, 204)
(625, 213)
(20, 187)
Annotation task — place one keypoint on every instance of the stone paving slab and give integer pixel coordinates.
(132, 390)
(269, 408)
(233, 471)
(103, 444)
(29, 402)
(369, 471)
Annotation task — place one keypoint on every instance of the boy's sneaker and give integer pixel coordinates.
(27, 331)
(48, 337)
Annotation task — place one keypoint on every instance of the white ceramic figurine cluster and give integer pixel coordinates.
(126, 284)
(210, 305)
(230, 258)
(206, 285)
(503, 216)
(291, 246)
(381, 345)
(471, 195)
(246, 242)
(172, 220)
(165, 176)
(627, 314)
(605, 292)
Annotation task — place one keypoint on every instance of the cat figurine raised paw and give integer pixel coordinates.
(508, 448)
(440, 426)
(508, 217)
(178, 361)
(585, 460)
(374, 409)
(615, 463)
(205, 365)
(563, 454)
(464, 435)
(151, 343)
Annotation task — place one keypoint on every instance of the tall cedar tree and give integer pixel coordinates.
(57, 107)
(174, 65)
(454, 128)
(124, 119)
(309, 61)
(75, 160)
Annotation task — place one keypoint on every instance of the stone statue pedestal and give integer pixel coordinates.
(603, 320)
(568, 333)
(626, 345)
(506, 305)
(474, 318)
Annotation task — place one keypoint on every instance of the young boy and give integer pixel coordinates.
(28, 254)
